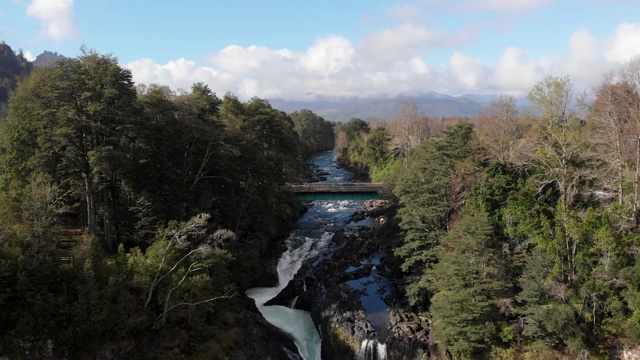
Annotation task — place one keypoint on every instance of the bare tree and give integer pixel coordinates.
(608, 113)
(615, 112)
(630, 77)
(557, 143)
(500, 128)
(407, 129)
(559, 152)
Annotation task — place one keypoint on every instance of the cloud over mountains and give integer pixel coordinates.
(404, 53)
(390, 63)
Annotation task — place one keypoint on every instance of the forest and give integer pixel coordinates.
(136, 216)
(517, 230)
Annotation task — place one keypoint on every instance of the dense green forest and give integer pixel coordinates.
(12, 68)
(137, 213)
(519, 231)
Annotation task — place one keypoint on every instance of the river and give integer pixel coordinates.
(312, 235)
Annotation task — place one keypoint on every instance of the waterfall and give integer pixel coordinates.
(297, 323)
(372, 350)
(293, 302)
(312, 236)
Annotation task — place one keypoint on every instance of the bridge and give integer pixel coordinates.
(337, 191)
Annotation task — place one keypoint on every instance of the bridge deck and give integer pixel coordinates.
(337, 188)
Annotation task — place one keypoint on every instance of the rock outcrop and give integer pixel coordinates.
(351, 294)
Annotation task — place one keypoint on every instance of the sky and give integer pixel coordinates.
(328, 49)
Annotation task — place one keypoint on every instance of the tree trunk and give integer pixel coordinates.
(635, 180)
(107, 226)
(91, 209)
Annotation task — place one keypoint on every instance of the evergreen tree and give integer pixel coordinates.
(466, 283)
(423, 189)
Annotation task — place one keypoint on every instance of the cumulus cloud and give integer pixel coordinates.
(328, 56)
(57, 16)
(469, 72)
(333, 67)
(590, 57)
(584, 63)
(241, 60)
(180, 74)
(515, 72)
(29, 56)
(624, 44)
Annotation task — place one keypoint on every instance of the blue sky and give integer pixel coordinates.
(308, 49)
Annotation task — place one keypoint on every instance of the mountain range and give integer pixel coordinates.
(431, 104)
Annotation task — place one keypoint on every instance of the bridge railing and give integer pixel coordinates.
(337, 188)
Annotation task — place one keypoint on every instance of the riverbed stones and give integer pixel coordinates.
(333, 291)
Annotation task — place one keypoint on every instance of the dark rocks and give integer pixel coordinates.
(358, 267)
(358, 216)
(315, 174)
(376, 208)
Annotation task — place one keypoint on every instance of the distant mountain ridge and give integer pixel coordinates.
(47, 58)
(430, 104)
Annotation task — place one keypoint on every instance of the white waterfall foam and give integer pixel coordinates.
(309, 240)
(372, 350)
(297, 323)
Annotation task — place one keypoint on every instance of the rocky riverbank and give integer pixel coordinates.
(351, 293)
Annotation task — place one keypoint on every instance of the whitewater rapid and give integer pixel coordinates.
(312, 235)
(300, 247)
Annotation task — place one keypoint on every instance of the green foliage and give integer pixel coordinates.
(83, 149)
(423, 189)
(12, 67)
(315, 134)
(493, 191)
(528, 258)
(465, 281)
(72, 118)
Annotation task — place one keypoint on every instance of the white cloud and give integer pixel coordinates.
(469, 72)
(27, 55)
(624, 44)
(180, 74)
(419, 66)
(589, 57)
(584, 63)
(329, 55)
(333, 67)
(582, 44)
(406, 40)
(241, 60)
(57, 16)
(514, 73)
(409, 40)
